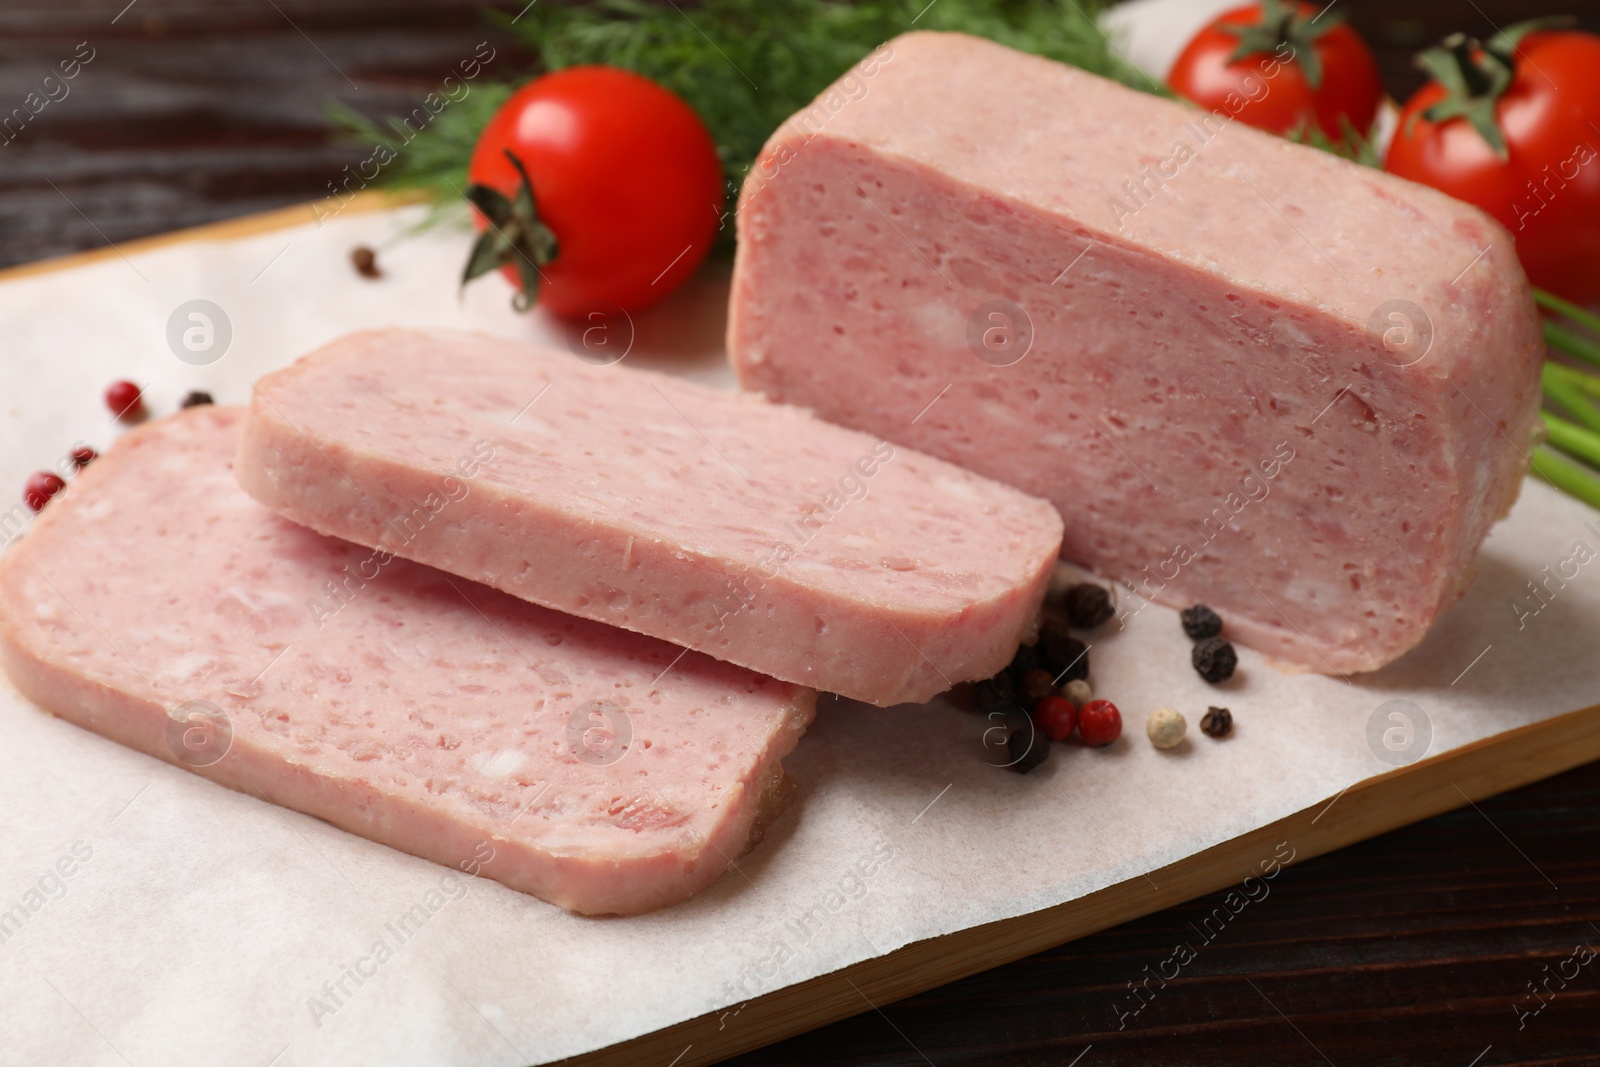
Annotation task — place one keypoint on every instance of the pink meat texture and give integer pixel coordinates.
(746, 530)
(1248, 373)
(157, 604)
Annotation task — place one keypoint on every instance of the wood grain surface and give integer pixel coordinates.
(1423, 946)
(1413, 948)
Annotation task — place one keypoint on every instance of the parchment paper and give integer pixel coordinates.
(166, 920)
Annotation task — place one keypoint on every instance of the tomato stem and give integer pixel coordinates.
(1479, 82)
(1282, 25)
(515, 236)
(1475, 76)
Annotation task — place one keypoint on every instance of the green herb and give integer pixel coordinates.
(434, 160)
(1573, 391)
(1587, 319)
(1570, 342)
(746, 65)
(1353, 145)
(743, 65)
(1577, 395)
(1573, 439)
(1566, 475)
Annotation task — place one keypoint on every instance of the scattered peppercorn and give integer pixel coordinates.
(1001, 721)
(1166, 727)
(1065, 657)
(996, 691)
(1200, 622)
(1099, 723)
(1027, 748)
(1035, 686)
(1027, 659)
(1088, 605)
(1078, 691)
(365, 260)
(40, 488)
(83, 455)
(1215, 659)
(196, 398)
(1217, 722)
(125, 400)
(1056, 717)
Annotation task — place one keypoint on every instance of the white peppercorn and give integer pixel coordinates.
(1166, 728)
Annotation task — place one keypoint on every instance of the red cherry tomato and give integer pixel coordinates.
(1301, 69)
(1545, 188)
(625, 179)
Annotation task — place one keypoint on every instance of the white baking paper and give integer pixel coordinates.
(167, 921)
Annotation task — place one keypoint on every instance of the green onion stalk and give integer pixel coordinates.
(1570, 460)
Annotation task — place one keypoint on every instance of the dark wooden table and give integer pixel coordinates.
(1420, 947)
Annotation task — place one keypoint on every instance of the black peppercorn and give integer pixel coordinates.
(1216, 722)
(365, 261)
(196, 398)
(1088, 605)
(1064, 656)
(1027, 747)
(997, 691)
(1215, 659)
(1027, 659)
(1200, 622)
(1035, 686)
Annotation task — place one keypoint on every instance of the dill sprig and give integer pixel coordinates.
(1355, 146)
(435, 159)
(746, 65)
(743, 65)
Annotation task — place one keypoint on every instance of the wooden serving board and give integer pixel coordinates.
(1373, 807)
(1532, 746)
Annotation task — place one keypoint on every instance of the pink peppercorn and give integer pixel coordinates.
(1099, 723)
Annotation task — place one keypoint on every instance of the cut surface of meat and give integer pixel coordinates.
(1249, 373)
(157, 604)
(750, 531)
